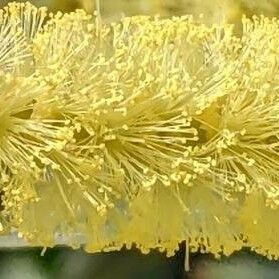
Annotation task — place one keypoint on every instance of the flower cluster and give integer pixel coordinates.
(146, 131)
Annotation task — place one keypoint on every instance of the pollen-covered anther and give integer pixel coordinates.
(165, 180)
(149, 182)
(187, 179)
(177, 163)
(175, 177)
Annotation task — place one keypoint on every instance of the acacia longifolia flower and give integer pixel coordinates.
(146, 131)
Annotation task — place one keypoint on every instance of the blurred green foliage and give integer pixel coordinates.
(63, 263)
(60, 263)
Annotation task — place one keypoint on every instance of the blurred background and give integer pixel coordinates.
(27, 263)
(60, 263)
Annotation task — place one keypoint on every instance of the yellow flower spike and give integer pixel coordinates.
(146, 131)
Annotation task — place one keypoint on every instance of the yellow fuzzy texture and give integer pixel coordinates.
(146, 131)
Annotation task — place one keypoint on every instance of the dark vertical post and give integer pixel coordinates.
(178, 262)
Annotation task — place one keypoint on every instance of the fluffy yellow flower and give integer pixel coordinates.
(147, 130)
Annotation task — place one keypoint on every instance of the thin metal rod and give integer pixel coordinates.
(187, 257)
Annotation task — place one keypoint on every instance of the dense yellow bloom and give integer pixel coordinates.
(145, 131)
